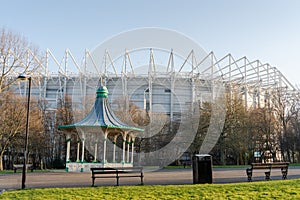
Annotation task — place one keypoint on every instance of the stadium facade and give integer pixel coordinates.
(189, 79)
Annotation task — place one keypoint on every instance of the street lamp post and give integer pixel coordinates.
(22, 77)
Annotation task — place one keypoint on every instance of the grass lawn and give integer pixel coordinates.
(287, 189)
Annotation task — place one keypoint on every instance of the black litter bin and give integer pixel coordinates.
(202, 168)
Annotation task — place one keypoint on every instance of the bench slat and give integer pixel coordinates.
(104, 177)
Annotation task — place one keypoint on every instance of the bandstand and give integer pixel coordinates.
(95, 131)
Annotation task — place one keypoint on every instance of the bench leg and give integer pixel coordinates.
(249, 174)
(93, 181)
(142, 178)
(284, 174)
(268, 174)
(117, 180)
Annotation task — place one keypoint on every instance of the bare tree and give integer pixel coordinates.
(264, 132)
(290, 141)
(205, 115)
(12, 121)
(287, 111)
(12, 127)
(17, 56)
(232, 147)
(38, 137)
(64, 115)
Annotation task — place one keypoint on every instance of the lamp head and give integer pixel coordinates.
(23, 77)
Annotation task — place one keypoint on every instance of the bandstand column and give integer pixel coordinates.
(115, 144)
(104, 146)
(95, 155)
(68, 138)
(78, 151)
(82, 150)
(128, 148)
(132, 149)
(124, 143)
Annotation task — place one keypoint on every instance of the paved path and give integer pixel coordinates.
(161, 177)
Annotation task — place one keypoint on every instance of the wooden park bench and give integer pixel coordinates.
(28, 166)
(283, 166)
(117, 173)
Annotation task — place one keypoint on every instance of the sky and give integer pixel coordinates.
(267, 30)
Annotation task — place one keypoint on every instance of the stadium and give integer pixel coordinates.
(166, 87)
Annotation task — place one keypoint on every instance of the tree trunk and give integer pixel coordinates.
(1, 161)
(222, 150)
(41, 164)
(288, 154)
(282, 153)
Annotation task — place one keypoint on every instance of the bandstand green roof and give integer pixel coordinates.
(101, 115)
